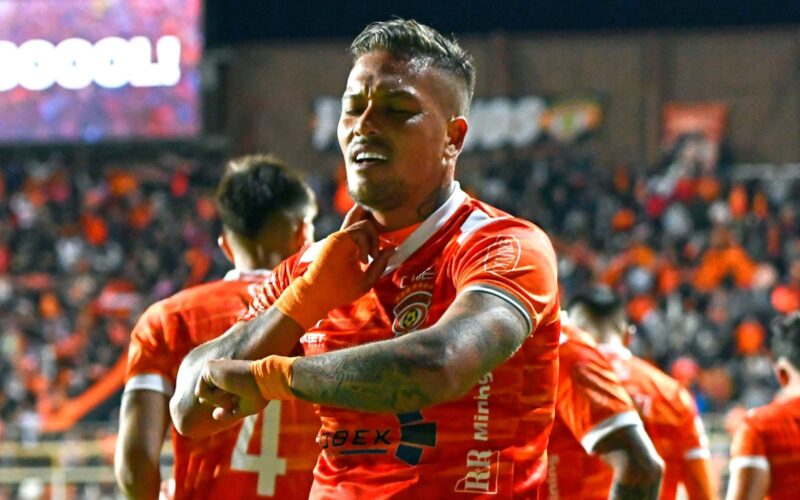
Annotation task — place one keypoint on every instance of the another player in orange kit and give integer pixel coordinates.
(267, 213)
(765, 453)
(595, 417)
(668, 410)
(434, 364)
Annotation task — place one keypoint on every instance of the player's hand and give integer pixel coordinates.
(355, 269)
(229, 386)
(340, 273)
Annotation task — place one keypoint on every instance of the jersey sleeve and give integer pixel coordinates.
(150, 360)
(695, 440)
(268, 292)
(591, 400)
(747, 448)
(516, 263)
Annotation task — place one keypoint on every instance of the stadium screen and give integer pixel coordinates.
(94, 70)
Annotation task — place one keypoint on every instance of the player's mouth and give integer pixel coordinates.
(364, 158)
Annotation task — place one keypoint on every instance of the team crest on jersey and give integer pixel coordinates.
(412, 311)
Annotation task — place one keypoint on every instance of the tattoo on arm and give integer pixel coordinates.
(419, 369)
(269, 333)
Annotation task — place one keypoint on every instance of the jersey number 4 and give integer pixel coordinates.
(267, 464)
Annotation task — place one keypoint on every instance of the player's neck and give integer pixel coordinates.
(244, 261)
(415, 211)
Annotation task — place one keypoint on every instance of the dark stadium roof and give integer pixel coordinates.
(242, 21)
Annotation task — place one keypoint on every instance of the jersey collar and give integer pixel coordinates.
(250, 275)
(613, 348)
(427, 228)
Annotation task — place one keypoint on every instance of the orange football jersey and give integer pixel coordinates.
(590, 404)
(670, 418)
(270, 454)
(490, 442)
(769, 438)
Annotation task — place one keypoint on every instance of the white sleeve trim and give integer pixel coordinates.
(697, 454)
(609, 425)
(505, 295)
(751, 461)
(150, 382)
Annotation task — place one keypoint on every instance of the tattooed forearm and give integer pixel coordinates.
(269, 333)
(634, 491)
(419, 369)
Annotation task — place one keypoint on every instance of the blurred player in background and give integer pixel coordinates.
(267, 214)
(595, 416)
(765, 452)
(434, 367)
(668, 410)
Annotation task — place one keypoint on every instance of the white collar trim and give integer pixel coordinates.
(428, 228)
(614, 348)
(415, 240)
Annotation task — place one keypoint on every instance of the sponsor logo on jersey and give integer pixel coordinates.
(482, 472)
(481, 417)
(503, 255)
(415, 435)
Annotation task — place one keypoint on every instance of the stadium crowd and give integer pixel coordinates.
(703, 260)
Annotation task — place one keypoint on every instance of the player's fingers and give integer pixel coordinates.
(209, 393)
(365, 235)
(219, 398)
(378, 266)
(355, 214)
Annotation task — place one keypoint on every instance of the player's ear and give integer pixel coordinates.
(222, 241)
(781, 374)
(302, 234)
(456, 133)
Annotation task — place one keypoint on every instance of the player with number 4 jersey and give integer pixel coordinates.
(266, 212)
(270, 454)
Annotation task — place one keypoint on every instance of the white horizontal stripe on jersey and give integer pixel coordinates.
(609, 425)
(752, 461)
(150, 382)
(697, 454)
(505, 295)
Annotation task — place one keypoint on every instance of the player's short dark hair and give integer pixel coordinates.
(600, 301)
(256, 188)
(786, 338)
(408, 39)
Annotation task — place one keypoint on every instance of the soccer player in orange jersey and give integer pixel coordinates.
(669, 413)
(765, 452)
(267, 213)
(595, 416)
(434, 366)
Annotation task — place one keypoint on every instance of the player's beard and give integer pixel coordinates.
(383, 196)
